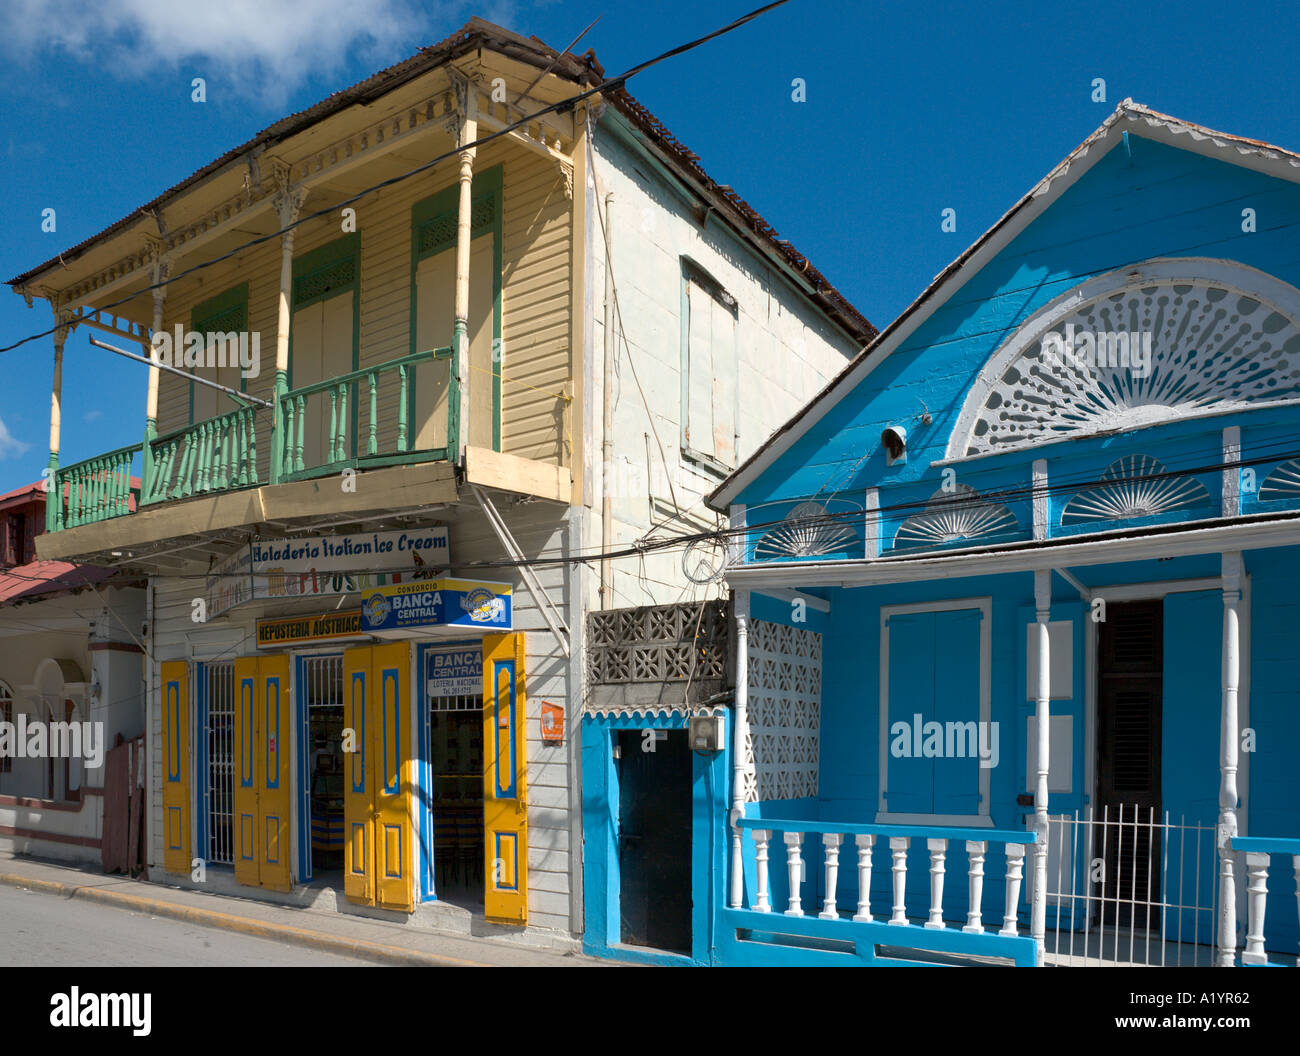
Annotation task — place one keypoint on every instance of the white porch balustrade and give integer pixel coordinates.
(970, 937)
(1258, 851)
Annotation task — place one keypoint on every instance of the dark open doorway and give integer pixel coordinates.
(654, 778)
(1130, 681)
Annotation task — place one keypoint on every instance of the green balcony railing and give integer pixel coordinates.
(219, 454)
(372, 417)
(97, 489)
(324, 427)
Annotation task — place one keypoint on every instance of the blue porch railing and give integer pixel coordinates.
(1258, 851)
(856, 929)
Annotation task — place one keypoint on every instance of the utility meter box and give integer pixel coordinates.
(706, 733)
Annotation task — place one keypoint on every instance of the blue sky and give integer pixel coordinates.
(910, 109)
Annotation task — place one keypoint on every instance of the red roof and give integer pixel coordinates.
(41, 578)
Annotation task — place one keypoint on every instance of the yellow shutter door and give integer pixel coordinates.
(390, 700)
(273, 798)
(505, 786)
(358, 796)
(176, 769)
(246, 740)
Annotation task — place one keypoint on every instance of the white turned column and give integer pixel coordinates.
(1257, 869)
(938, 855)
(740, 732)
(1043, 709)
(975, 851)
(1228, 747)
(1015, 870)
(288, 203)
(468, 132)
(831, 841)
(56, 390)
(865, 844)
(898, 848)
(794, 870)
(761, 903)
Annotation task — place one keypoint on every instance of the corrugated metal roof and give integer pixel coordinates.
(584, 70)
(41, 579)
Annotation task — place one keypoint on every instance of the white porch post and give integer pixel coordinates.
(467, 132)
(158, 275)
(740, 732)
(54, 505)
(1228, 747)
(1043, 692)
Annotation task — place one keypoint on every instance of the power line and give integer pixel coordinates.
(564, 104)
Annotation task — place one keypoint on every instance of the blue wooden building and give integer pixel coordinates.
(1017, 596)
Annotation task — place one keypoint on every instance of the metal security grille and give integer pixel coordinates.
(462, 703)
(320, 687)
(218, 735)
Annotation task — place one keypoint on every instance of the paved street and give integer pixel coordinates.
(45, 930)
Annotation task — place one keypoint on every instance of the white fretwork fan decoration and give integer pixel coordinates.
(1282, 483)
(955, 516)
(1228, 340)
(809, 530)
(1135, 486)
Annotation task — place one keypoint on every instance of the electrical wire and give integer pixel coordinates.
(565, 104)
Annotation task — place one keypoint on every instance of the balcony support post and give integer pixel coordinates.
(158, 278)
(288, 202)
(458, 402)
(1231, 565)
(54, 506)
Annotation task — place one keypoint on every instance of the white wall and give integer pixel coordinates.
(787, 352)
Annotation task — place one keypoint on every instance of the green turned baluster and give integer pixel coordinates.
(401, 410)
(205, 456)
(222, 470)
(372, 443)
(251, 418)
(342, 451)
(240, 477)
(301, 412)
(334, 414)
(453, 411)
(283, 444)
(180, 488)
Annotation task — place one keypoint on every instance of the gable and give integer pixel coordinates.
(1140, 204)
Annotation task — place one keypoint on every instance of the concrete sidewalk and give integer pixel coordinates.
(376, 940)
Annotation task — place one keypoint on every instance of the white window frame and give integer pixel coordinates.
(982, 819)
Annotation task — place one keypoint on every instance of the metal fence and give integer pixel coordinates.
(1129, 886)
(219, 783)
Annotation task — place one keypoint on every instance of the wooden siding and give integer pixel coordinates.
(536, 328)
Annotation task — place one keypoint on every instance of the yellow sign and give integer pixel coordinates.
(294, 630)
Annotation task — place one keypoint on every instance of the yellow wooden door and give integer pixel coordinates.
(176, 767)
(390, 722)
(358, 789)
(272, 759)
(246, 770)
(505, 784)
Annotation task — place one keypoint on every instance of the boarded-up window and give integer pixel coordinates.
(708, 369)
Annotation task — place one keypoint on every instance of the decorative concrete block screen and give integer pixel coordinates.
(658, 657)
(785, 703)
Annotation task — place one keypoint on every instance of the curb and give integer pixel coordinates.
(372, 951)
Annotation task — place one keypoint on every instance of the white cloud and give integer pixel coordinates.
(90, 416)
(10, 445)
(262, 48)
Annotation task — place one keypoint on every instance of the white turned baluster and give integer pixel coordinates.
(898, 848)
(832, 842)
(761, 836)
(938, 855)
(975, 850)
(865, 843)
(794, 866)
(1015, 870)
(1257, 868)
(1295, 865)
